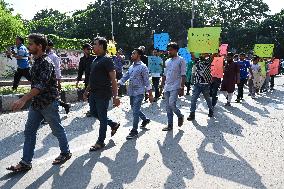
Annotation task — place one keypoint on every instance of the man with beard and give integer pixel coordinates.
(173, 82)
(44, 97)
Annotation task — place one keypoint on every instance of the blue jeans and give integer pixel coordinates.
(35, 116)
(136, 102)
(98, 108)
(171, 100)
(205, 90)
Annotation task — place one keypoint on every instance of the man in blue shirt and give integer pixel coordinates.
(244, 67)
(22, 57)
(138, 77)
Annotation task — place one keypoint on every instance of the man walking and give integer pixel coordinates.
(138, 76)
(202, 79)
(244, 67)
(231, 78)
(44, 105)
(57, 66)
(85, 65)
(102, 86)
(22, 57)
(173, 82)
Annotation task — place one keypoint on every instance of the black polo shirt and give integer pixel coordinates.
(100, 82)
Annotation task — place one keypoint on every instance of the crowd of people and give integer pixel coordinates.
(105, 80)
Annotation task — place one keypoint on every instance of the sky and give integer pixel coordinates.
(28, 8)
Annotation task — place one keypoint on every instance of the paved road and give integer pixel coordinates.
(242, 147)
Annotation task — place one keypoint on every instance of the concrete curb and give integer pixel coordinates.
(70, 96)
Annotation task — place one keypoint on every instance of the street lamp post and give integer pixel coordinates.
(111, 20)
(192, 13)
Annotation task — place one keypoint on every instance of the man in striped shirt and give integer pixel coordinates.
(202, 79)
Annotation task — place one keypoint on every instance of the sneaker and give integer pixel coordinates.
(249, 94)
(191, 116)
(238, 100)
(253, 97)
(210, 113)
(168, 128)
(228, 104)
(133, 134)
(180, 121)
(187, 94)
(145, 122)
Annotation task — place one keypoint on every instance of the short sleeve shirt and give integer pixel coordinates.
(244, 66)
(22, 51)
(100, 82)
(175, 69)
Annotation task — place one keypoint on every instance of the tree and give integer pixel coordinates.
(13, 26)
(47, 13)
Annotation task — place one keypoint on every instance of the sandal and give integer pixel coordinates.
(97, 147)
(62, 158)
(21, 167)
(114, 129)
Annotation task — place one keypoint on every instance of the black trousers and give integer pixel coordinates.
(241, 88)
(214, 87)
(156, 82)
(272, 81)
(19, 74)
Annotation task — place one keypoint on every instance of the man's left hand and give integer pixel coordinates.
(19, 104)
(116, 102)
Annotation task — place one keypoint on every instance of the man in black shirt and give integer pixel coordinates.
(44, 96)
(102, 86)
(85, 64)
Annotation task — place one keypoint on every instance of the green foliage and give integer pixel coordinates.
(9, 90)
(10, 25)
(243, 23)
(134, 20)
(71, 87)
(9, 73)
(26, 89)
(64, 43)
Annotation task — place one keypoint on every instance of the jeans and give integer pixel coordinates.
(205, 90)
(241, 88)
(35, 116)
(156, 82)
(18, 75)
(171, 99)
(214, 87)
(136, 102)
(265, 85)
(251, 87)
(98, 108)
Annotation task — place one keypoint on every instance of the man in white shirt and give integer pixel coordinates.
(57, 64)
